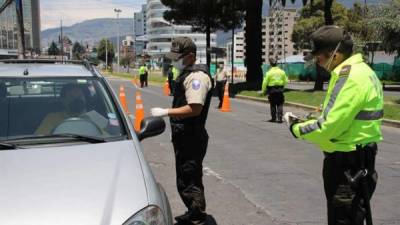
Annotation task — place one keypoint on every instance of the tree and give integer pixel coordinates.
(53, 49)
(101, 51)
(385, 19)
(77, 51)
(205, 16)
(127, 60)
(253, 37)
(312, 17)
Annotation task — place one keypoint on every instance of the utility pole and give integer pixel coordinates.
(20, 28)
(106, 54)
(117, 11)
(233, 42)
(61, 41)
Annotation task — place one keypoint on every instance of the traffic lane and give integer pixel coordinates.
(160, 155)
(283, 176)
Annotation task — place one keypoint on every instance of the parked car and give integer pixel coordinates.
(68, 152)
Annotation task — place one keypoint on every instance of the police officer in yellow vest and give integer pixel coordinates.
(143, 74)
(274, 84)
(348, 129)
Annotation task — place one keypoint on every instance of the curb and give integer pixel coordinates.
(386, 122)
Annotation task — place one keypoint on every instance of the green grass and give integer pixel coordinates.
(154, 77)
(392, 104)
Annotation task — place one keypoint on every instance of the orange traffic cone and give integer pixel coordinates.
(135, 81)
(122, 99)
(166, 89)
(226, 105)
(139, 111)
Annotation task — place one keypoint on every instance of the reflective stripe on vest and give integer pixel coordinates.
(317, 125)
(370, 115)
(312, 127)
(338, 87)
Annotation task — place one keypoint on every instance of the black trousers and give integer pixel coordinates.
(143, 80)
(220, 85)
(276, 100)
(190, 146)
(171, 84)
(345, 203)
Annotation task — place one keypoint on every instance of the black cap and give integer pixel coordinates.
(181, 46)
(328, 37)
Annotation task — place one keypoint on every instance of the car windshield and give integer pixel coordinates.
(52, 106)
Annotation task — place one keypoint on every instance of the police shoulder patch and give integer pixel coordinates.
(345, 70)
(196, 84)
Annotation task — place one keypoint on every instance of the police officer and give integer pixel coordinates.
(192, 96)
(220, 81)
(143, 74)
(273, 84)
(348, 129)
(172, 75)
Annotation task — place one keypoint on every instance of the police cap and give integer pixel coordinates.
(328, 37)
(180, 47)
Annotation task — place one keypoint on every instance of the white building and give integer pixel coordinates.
(239, 48)
(277, 31)
(160, 33)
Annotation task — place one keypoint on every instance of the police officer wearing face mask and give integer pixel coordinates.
(348, 129)
(188, 115)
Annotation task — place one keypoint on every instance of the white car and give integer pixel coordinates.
(68, 152)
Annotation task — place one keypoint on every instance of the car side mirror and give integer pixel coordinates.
(150, 127)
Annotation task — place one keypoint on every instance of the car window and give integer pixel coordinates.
(46, 106)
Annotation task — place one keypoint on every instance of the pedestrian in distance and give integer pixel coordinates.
(220, 81)
(188, 115)
(273, 85)
(348, 129)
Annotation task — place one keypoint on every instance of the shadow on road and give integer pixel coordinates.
(209, 221)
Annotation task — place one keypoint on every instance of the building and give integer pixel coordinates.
(160, 33)
(128, 47)
(140, 31)
(8, 29)
(239, 48)
(277, 31)
(140, 22)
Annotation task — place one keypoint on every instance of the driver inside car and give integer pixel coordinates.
(74, 105)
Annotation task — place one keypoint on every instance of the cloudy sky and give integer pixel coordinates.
(73, 11)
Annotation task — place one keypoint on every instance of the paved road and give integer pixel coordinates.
(257, 173)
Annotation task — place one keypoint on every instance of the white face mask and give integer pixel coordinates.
(178, 64)
(328, 64)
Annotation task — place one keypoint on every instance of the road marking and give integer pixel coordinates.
(209, 172)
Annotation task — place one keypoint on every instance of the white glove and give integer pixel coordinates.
(290, 118)
(159, 112)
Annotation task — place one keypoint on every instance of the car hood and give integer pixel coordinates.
(89, 184)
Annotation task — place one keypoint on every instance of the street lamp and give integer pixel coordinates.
(117, 11)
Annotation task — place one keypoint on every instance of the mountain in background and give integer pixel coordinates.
(92, 31)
